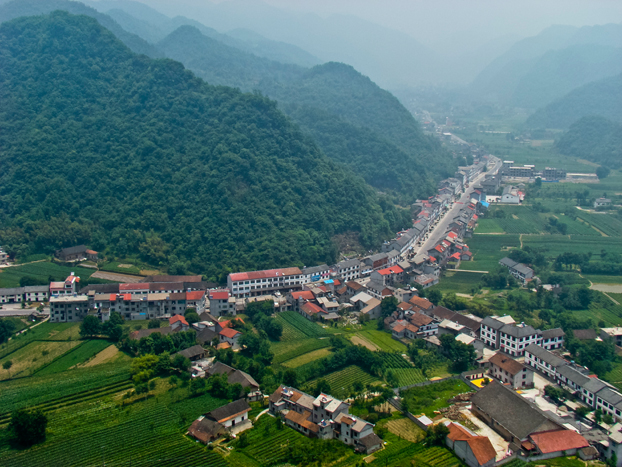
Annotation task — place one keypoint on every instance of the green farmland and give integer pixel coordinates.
(488, 250)
(41, 271)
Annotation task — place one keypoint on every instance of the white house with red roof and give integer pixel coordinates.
(230, 336)
(253, 283)
(388, 276)
(66, 287)
(179, 323)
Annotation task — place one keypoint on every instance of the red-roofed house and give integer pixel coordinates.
(297, 299)
(309, 309)
(253, 283)
(466, 256)
(196, 299)
(453, 262)
(230, 336)
(388, 276)
(475, 451)
(452, 235)
(221, 303)
(558, 443)
(179, 323)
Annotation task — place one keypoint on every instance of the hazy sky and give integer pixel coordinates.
(485, 19)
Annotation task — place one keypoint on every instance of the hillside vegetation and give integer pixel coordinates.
(598, 98)
(334, 104)
(595, 139)
(135, 155)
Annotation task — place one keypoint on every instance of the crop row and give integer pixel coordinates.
(303, 325)
(348, 376)
(394, 360)
(607, 224)
(76, 356)
(408, 376)
(284, 351)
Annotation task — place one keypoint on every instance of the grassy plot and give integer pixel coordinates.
(343, 379)
(44, 331)
(306, 358)
(408, 376)
(458, 282)
(427, 399)
(524, 220)
(296, 322)
(80, 354)
(555, 245)
(485, 226)
(284, 351)
(37, 354)
(488, 250)
(602, 279)
(42, 271)
(383, 340)
(406, 429)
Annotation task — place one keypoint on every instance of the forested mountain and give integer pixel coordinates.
(538, 69)
(134, 155)
(17, 8)
(339, 93)
(153, 26)
(598, 98)
(595, 139)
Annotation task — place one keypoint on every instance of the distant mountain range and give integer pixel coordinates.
(539, 69)
(602, 98)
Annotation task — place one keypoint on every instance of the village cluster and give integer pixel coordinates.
(514, 361)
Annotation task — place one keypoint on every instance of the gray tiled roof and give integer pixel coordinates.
(315, 269)
(230, 409)
(515, 413)
(523, 269)
(350, 262)
(518, 331)
(594, 385)
(508, 262)
(573, 375)
(545, 355)
(609, 395)
(492, 323)
(553, 333)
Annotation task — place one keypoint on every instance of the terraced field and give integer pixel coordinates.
(607, 224)
(81, 353)
(300, 337)
(288, 350)
(382, 340)
(29, 359)
(409, 376)
(345, 378)
(306, 358)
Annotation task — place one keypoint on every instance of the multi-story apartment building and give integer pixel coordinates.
(509, 371)
(551, 173)
(253, 283)
(553, 339)
(316, 273)
(503, 334)
(349, 270)
(67, 308)
(221, 303)
(543, 361)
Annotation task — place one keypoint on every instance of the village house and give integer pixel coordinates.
(196, 352)
(235, 376)
(221, 303)
(216, 423)
(4, 257)
(323, 417)
(509, 371)
(474, 450)
(543, 360)
(602, 203)
(230, 336)
(348, 270)
(30, 293)
(518, 270)
(315, 273)
(553, 339)
(68, 308)
(388, 276)
(76, 253)
(613, 334)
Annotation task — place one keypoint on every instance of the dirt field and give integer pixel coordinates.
(406, 429)
(611, 288)
(102, 357)
(357, 340)
(116, 277)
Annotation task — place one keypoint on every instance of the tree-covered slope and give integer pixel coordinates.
(17, 8)
(595, 139)
(130, 154)
(337, 92)
(603, 97)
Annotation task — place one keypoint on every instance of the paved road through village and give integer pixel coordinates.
(440, 229)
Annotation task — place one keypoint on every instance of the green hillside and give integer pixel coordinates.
(595, 139)
(598, 98)
(134, 155)
(17, 8)
(316, 98)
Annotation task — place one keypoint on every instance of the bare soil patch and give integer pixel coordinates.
(102, 357)
(358, 340)
(116, 277)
